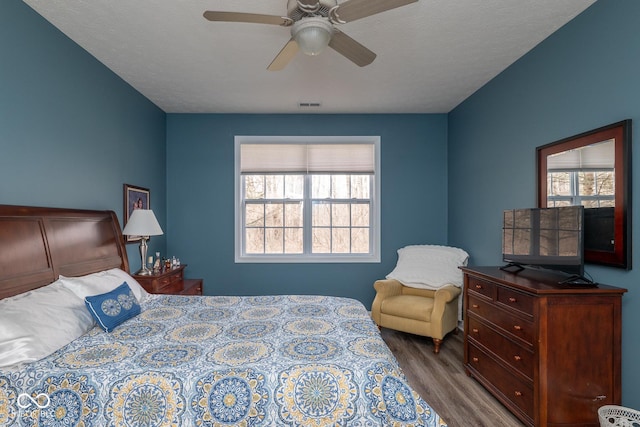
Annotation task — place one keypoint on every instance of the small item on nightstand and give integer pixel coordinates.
(156, 264)
(167, 264)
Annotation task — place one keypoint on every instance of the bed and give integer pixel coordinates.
(283, 360)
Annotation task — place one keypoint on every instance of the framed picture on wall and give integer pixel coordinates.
(134, 198)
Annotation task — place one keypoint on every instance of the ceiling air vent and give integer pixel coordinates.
(309, 105)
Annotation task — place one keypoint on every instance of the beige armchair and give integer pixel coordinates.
(426, 312)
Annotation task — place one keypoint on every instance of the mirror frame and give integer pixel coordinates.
(621, 133)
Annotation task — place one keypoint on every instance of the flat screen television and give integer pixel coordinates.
(549, 238)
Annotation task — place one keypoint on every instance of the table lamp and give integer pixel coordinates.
(143, 223)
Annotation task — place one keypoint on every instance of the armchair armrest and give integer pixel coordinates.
(443, 296)
(447, 293)
(385, 288)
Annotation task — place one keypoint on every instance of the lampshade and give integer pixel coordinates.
(312, 34)
(142, 222)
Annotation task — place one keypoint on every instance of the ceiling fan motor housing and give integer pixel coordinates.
(296, 11)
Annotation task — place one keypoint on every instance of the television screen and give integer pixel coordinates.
(551, 238)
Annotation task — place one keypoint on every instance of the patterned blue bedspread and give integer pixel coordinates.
(223, 361)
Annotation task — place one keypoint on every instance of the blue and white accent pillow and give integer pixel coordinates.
(113, 308)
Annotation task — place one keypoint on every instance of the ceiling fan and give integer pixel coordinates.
(314, 26)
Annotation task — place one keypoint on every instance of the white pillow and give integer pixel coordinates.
(101, 283)
(35, 324)
(137, 289)
(429, 266)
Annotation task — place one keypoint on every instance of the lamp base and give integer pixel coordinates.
(144, 271)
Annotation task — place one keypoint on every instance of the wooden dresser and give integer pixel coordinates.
(170, 281)
(550, 353)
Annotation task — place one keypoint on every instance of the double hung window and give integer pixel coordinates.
(582, 177)
(590, 188)
(307, 199)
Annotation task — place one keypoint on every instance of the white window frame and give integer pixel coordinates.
(373, 257)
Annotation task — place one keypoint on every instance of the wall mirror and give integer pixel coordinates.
(593, 169)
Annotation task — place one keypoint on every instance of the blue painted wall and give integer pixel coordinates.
(71, 131)
(200, 194)
(582, 77)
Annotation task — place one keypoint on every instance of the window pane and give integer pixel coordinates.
(559, 183)
(254, 186)
(254, 215)
(596, 183)
(359, 186)
(552, 203)
(274, 215)
(320, 186)
(360, 215)
(294, 186)
(274, 241)
(340, 215)
(254, 240)
(341, 240)
(321, 240)
(321, 216)
(340, 186)
(274, 186)
(360, 240)
(293, 215)
(293, 241)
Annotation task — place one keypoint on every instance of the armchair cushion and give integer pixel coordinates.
(429, 266)
(409, 306)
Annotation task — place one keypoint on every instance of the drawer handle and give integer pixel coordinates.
(475, 330)
(518, 393)
(512, 300)
(517, 327)
(478, 286)
(475, 306)
(517, 358)
(475, 359)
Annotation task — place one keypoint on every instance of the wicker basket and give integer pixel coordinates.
(618, 416)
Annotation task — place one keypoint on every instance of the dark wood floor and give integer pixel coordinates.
(443, 383)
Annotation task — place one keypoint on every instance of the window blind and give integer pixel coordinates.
(307, 158)
(595, 156)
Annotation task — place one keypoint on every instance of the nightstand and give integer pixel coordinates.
(170, 281)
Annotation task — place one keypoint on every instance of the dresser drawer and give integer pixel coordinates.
(518, 357)
(514, 325)
(516, 300)
(518, 392)
(481, 287)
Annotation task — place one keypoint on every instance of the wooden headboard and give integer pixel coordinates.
(38, 244)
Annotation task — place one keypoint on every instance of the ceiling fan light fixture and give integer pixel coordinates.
(312, 34)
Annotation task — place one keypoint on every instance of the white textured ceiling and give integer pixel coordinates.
(432, 54)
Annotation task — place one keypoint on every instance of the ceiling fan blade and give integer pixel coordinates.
(351, 10)
(284, 56)
(253, 18)
(351, 49)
